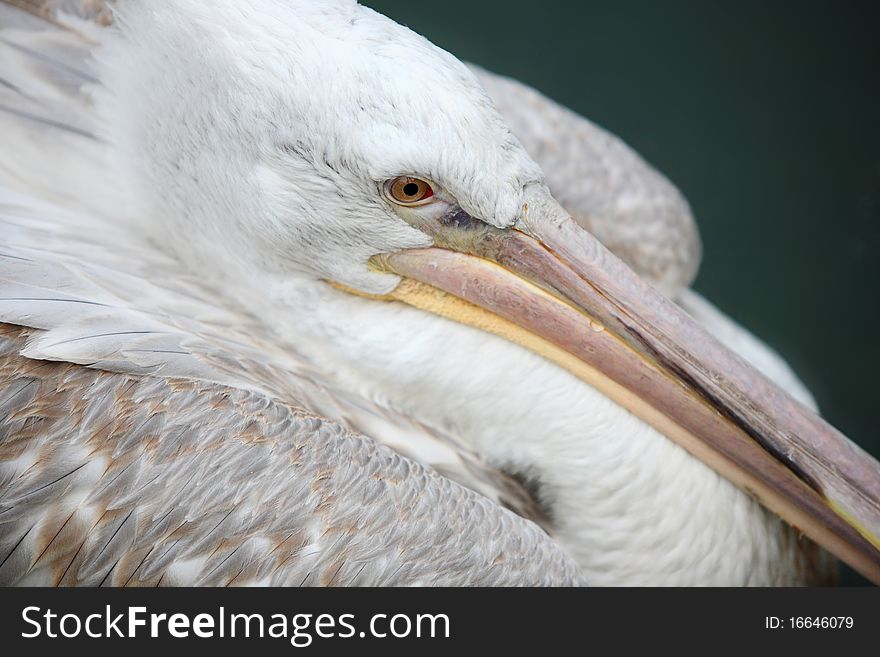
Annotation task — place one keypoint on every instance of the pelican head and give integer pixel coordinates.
(287, 128)
(284, 146)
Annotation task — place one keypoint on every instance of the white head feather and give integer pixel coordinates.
(272, 140)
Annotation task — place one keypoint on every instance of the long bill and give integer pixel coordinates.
(552, 287)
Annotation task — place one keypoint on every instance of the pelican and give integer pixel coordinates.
(289, 295)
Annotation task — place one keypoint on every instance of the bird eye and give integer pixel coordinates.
(406, 190)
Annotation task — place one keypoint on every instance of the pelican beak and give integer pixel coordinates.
(550, 286)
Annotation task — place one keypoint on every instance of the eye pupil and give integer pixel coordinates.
(411, 189)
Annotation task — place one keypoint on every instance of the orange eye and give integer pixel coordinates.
(408, 191)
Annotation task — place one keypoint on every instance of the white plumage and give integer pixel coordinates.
(173, 212)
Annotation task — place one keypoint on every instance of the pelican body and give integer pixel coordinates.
(286, 297)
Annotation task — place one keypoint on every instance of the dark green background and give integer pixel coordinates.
(765, 114)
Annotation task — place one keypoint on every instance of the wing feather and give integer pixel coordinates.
(212, 485)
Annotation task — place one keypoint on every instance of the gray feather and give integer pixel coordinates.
(605, 185)
(215, 486)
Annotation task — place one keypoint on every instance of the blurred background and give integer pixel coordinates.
(766, 115)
